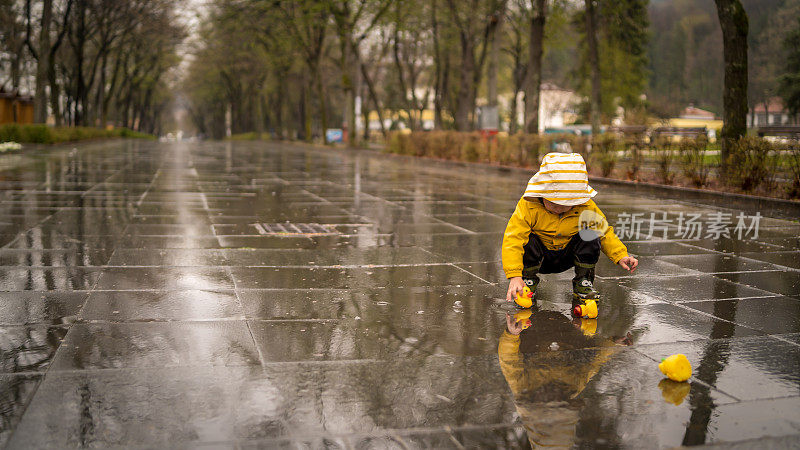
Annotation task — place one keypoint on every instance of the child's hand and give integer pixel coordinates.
(514, 285)
(629, 263)
(513, 326)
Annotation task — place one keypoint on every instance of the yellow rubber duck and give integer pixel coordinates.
(587, 311)
(676, 367)
(525, 298)
(524, 316)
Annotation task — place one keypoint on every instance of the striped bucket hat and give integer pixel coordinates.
(562, 179)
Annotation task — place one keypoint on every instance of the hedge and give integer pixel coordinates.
(44, 134)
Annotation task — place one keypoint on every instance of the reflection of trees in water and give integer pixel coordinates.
(28, 349)
(422, 379)
(712, 362)
(14, 393)
(714, 359)
(86, 431)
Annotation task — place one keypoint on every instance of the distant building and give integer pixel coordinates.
(771, 113)
(15, 108)
(690, 112)
(692, 118)
(557, 107)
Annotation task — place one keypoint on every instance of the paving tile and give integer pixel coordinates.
(156, 344)
(717, 262)
(361, 278)
(786, 258)
(53, 258)
(40, 307)
(409, 303)
(331, 257)
(772, 315)
(167, 257)
(780, 283)
(372, 338)
(132, 306)
(161, 242)
(163, 278)
(690, 288)
(48, 279)
(154, 407)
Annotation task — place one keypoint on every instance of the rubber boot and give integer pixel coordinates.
(531, 278)
(583, 283)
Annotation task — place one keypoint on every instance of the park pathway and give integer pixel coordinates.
(243, 294)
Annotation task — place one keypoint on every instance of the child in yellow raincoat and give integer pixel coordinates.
(556, 226)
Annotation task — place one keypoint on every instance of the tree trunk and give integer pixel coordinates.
(374, 96)
(491, 82)
(40, 97)
(512, 114)
(55, 93)
(594, 66)
(323, 103)
(734, 24)
(401, 78)
(80, 83)
(305, 105)
(99, 103)
(534, 78)
(464, 101)
(439, 72)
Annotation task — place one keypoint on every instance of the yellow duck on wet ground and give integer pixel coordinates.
(587, 310)
(525, 298)
(676, 367)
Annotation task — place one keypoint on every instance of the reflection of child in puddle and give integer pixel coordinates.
(545, 377)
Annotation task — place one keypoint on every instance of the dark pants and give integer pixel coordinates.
(578, 253)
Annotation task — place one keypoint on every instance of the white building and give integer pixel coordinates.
(557, 107)
(771, 113)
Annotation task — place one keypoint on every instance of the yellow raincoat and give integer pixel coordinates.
(554, 230)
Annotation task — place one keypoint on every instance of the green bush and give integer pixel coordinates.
(752, 162)
(38, 134)
(519, 149)
(696, 165)
(604, 152)
(665, 153)
(793, 165)
(10, 133)
(252, 136)
(634, 147)
(43, 134)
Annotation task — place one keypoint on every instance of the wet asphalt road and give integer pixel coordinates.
(265, 295)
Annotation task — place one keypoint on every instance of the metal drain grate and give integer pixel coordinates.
(294, 229)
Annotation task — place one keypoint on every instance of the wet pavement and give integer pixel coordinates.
(253, 295)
